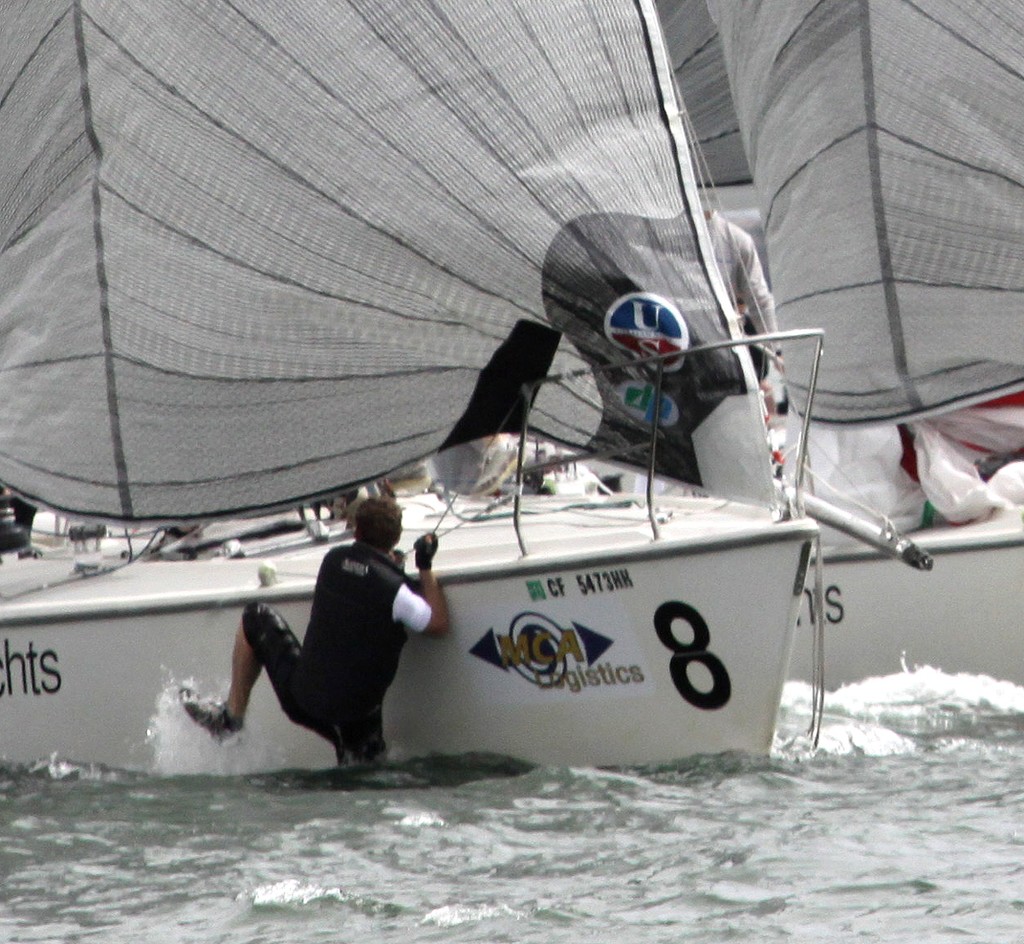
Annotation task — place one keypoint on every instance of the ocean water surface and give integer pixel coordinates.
(905, 823)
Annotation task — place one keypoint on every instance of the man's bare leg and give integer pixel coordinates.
(245, 669)
(224, 718)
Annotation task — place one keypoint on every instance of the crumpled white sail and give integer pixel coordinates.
(252, 252)
(884, 140)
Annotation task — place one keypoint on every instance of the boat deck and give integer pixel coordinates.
(553, 529)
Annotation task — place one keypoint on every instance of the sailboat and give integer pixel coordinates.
(255, 255)
(882, 142)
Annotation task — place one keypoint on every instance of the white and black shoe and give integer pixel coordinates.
(210, 713)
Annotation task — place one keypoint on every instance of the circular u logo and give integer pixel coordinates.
(646, 324)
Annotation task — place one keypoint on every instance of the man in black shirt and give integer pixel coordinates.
(335, 681)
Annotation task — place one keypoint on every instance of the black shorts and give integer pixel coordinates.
(357, 740)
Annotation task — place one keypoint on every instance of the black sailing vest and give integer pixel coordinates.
(350, 653)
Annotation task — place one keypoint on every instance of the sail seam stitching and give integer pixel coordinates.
(892, 304)
(117, 442)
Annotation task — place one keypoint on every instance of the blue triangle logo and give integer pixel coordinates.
(594, 644)
(487, 649)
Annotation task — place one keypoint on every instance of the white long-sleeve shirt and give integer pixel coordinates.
(740, 265)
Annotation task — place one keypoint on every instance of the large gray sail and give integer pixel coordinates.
(884, 139)
(252, 252)
(701, 75)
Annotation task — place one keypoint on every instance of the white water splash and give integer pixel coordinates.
(182, 747)
(921, 690)
(293, 892)
(421, 820)
(60, 769)
(874, 717)
(450, 916)
(842, 738)
(866, 739)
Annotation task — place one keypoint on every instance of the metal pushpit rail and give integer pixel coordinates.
(529, 393)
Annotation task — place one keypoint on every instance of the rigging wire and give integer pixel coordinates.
(711, 195)
(817, 646)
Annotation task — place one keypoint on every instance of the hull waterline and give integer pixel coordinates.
(628, 651)
(964, 615)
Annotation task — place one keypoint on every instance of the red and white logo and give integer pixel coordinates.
(645, 325)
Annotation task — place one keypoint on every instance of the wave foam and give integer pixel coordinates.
(181, 747)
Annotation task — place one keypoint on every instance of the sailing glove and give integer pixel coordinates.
(425, 547)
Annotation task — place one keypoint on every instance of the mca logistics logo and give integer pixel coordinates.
(646, 324)
(552, 656)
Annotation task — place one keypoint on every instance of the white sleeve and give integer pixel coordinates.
(411, 610)
(760, 303)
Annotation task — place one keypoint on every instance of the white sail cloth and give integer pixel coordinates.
(253, 252)
(860, 470)
(884, 144)
(884, 141)
(949, 448)
(867, 469)
(699, 68)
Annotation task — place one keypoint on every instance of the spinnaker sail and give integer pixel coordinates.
(254, 252)
(884, 140)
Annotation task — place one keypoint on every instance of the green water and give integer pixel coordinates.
(905, 824)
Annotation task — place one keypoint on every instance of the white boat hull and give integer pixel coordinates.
(554, 657)
(964, 615)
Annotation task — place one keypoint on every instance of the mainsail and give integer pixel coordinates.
(253, 252)
(884, 139)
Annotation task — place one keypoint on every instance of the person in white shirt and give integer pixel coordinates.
(334, 681)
